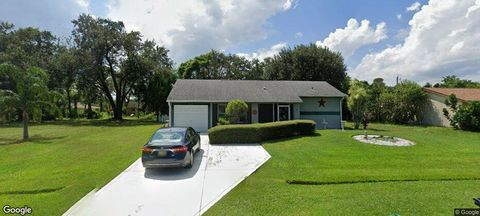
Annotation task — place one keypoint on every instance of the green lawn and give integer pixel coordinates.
(65, 160)
(445, 162)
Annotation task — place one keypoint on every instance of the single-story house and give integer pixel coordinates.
(200, 103)
(436, 102)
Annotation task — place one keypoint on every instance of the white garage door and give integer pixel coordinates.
(195, 116)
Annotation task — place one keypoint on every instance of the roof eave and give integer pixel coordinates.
(444, 95)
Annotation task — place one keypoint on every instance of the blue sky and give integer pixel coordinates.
(418, 40)
(316, 19)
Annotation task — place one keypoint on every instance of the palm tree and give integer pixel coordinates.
(30, 94)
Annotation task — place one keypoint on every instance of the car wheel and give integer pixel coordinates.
(190, 164)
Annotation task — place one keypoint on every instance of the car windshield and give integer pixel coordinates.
(166, 137)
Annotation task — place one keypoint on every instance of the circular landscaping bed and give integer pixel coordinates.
(383, 140)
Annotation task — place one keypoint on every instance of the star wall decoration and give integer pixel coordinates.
(321, 103)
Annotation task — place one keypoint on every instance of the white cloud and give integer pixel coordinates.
(399, 16)
(290, 4)
(414, 7)
(354, 36)
(264, 53)
(298, 35)
(444, 39)
(52, 15)
(191, 27)
(83, 3)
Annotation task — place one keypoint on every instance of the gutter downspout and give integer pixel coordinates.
(170, 117)
(210, 116)
(341, 114)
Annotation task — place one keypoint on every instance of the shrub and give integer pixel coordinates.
(236, 110)
(223, 121)
(305, 127)
(409, 102)
(90, 114)
(254, 133)
(104, 115)
(466, 117)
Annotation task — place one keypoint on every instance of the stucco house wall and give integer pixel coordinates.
(433, 111)
(330, 113)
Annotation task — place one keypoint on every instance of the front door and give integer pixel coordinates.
(283, 112)
(265, 113)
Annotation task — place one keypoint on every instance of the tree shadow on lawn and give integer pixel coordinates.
(273, 141)
(104, 123)
(85, 122)
(348, 128)
(35, 139)
(31, 192)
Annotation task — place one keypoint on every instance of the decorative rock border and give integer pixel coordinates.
(383, 140)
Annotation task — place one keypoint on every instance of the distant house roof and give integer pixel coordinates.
(195, 90)
(463, 94)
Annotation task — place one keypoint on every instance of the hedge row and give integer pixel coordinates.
(255, 133)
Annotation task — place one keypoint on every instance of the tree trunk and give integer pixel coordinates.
(101, 104)
(158, 115)
(112, 105)
(356, 123)
(25, 124)
(69, 99)
(117, 110)
(89, 110)
(138, 109)
(75, 107)
(117, 113)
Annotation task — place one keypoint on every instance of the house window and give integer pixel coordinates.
(221, 110)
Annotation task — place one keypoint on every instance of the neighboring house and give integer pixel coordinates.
(200, 103)
(132, 107)
(436, 102)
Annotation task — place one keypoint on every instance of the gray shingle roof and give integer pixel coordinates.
(195, 90)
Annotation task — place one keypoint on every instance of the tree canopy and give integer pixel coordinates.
(217, 65)
(308, 62)
(455, 82)
(117, 60)
(31, 92)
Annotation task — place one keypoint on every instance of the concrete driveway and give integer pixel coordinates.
(217, 170)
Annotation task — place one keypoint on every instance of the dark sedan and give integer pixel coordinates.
(171, 147)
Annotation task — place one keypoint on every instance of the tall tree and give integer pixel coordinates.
(153, 88)
(455, 82)
(156, 92)
(31, 92)
(65, 73)
(308, 62)
(359, 103)
(375, 90)
(217, 65)
(117, 62)
(26, 47)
